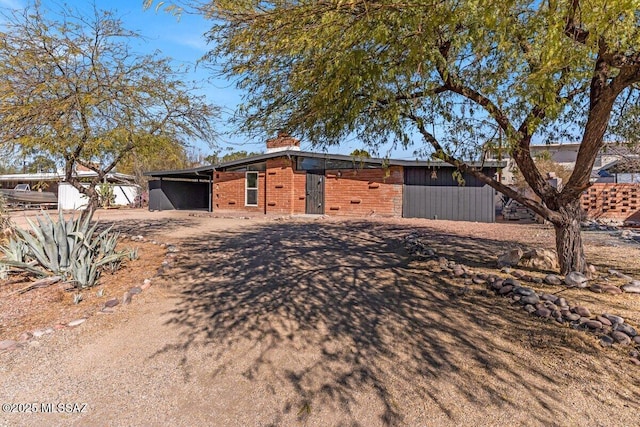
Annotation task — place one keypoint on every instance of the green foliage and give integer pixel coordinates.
(106, 197)
(362, 154)
(331, 69)
(216, 158)
(71, 249)
(74, 90)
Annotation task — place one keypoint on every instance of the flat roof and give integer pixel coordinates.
(55, 176)
(204, 172)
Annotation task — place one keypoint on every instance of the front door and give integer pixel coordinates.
(315, 192)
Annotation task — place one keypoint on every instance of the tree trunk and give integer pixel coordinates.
(569, 239)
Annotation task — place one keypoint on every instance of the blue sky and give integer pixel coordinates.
(183, 41)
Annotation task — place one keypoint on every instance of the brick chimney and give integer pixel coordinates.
(282, 142)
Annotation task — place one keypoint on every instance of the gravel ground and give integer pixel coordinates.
(326, 322)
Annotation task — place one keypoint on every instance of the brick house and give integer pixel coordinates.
(288, 181)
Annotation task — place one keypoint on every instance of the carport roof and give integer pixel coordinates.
(204, 172)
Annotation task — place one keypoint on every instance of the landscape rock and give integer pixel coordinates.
(627, 329)
(8, 344)
(636, 339)
(621, 337)
(510, 258)
(518, 274)
(576, 279)
(549, 297)
(611, 289)
(529, 308)
(606, 341)
(25, 336)
(613, 318)
(530, 299)
(76, 322)
(552, 279)
(505, 290)
(597, 288)
(571, 316)
(632, 288)
(112, 303)
(523, 290)
(146, 284)
(543, 312)
(604, 320)
(540, 259)
(593, 324)
(135, 290)
(126, 298)
(511, 281)
(582, 311)
(38, 333)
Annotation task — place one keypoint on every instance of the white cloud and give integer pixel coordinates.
(196, 42)
(11, 4)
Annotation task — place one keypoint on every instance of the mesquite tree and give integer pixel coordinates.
(73, 89)
(463, 76)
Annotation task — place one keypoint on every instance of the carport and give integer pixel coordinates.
(185, 189)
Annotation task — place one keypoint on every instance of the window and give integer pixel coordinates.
(251, 189)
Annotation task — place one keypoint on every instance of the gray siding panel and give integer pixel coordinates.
(453, 203)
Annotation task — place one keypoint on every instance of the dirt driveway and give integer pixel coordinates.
(318, 322)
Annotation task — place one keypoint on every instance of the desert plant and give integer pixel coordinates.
(133, 254)
(15, 250)
(6, 225)
(67, 248)
(77, 298)
(106, 197)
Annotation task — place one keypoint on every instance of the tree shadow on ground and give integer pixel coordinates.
(146, 227)
(335, 309)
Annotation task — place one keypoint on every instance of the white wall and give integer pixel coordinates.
(69, 198)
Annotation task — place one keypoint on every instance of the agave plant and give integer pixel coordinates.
(133, 254)
(15, 250)
(67, 248)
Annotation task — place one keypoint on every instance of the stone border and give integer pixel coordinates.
(109, 307)
(609, 328)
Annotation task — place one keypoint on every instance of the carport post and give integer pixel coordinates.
(211, 191)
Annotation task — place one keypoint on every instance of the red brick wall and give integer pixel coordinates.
(229, 192)
(282, 190)
(612, 201)
(299, 192)
(363, 192)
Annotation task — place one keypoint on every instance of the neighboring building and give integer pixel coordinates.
(69, 198)
(288, 181)
(566, 155)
